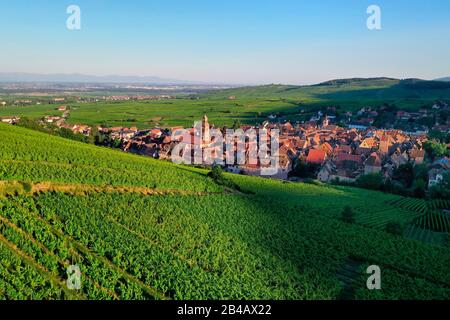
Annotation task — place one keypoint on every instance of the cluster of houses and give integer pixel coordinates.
(137, 97)
(339, 153)
(10, 119)
(155, 143)
(344, 154)
(77, 128)
(437, 170)
(60, 121)
(347, 153)
(57, 100)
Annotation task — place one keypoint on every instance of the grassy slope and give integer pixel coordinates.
(349, 93)
(35, 156)
(377, 88)
(282, 241)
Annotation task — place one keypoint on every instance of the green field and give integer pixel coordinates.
(252, 105)
(32, 111)
(163, 113)
(145, 229)
(178, 112)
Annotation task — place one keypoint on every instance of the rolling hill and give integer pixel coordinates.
(349, 93)
(140, 228)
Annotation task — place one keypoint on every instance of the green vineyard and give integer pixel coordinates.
(429, 224)
(439, 204)
(412, 204)
(145, 229)
(425, 235)
(380, 219)
(437, 221)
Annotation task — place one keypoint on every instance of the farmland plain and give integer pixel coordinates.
(249, 105)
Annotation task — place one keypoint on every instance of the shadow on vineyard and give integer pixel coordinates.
(349, 275)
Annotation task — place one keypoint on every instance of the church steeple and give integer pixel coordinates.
(325, 122)
(205, 129)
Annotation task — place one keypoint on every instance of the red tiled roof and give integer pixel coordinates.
(343, 149)
(316, 156)
(348, 157)
(415, 153)
(326, 147)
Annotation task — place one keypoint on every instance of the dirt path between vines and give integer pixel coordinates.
(17, 187)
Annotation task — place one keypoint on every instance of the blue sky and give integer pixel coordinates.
(228, 41)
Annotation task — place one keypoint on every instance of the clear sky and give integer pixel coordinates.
(228, 41)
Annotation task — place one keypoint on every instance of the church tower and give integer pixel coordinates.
(205, 129)
(325, 122)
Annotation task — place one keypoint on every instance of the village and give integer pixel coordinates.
(334, 153)
(339, 153)
(328, 148)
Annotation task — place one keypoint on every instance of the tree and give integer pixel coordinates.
(303, 169)
(31, 124)
(404, 174)
(443, 116)
(94, 136)
(116, 143)
(396, 187)
(421, 172)
(435, 149)
(216, 173)
(69, 134)
(372, 181)
(426, 121)
(347, 215)
(438, 136)
(237, 124)
(419, 188)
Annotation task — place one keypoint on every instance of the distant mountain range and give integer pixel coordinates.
(152, 80)
(83, 78)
